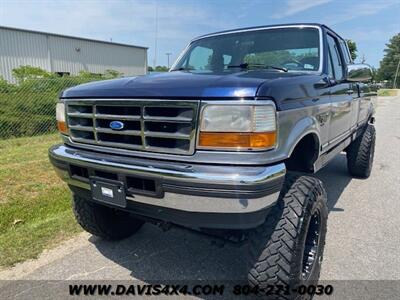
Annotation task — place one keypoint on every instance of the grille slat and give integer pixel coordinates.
(80, 115)
(168, 135)
(172, 119)
(85, 141)
(117, 110)
(117, 117)
(125, 132)
(153, 125)
(119, 145)
(175, 121)
(83, 128)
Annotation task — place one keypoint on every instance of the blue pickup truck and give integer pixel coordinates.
(223, 144)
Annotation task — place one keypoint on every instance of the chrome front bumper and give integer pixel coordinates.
(193, 188)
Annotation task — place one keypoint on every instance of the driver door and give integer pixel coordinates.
(341, 93)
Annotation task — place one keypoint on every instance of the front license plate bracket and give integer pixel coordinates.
(108, 191)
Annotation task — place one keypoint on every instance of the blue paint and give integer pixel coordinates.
(179, 84)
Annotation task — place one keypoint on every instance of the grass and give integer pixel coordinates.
(388, 92)
(35, 207)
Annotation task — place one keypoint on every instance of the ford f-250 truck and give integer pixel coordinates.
(222, 142)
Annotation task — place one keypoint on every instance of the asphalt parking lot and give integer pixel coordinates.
(363, 238)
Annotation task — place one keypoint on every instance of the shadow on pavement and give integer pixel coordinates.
(180, 254)
(335, 178)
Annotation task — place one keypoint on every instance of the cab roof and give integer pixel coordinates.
(265, 26)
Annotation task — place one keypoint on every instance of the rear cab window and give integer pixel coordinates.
(335, 58)
(345, 51)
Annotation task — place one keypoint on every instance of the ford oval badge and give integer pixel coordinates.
(116, 125)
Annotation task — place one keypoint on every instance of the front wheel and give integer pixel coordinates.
(103, 221)
(287, 249)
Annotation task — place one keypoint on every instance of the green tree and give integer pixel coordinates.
(150, 69)
(374, 74)
(352, 48)
(390, 61)
(273, 58)
(110, 74)
(5, 86)
(24, 73)
(161, 69)
(87, 75)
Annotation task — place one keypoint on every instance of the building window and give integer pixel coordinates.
(62, 74)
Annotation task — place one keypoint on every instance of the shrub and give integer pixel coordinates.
(28, 108)
(23, 73)
(6, 87)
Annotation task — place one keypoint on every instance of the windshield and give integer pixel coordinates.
(291, 48)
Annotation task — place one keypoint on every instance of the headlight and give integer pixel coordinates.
(60, 116)
(238, 127)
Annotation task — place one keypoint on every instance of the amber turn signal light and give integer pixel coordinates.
(61, 120)
(62, 127)
(249, 140)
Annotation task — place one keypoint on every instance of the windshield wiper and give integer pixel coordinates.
(182, 69)
(260, 66)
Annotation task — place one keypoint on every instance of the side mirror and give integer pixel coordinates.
(358, 73)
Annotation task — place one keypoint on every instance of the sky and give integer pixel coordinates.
(370, 23)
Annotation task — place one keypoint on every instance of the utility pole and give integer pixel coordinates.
(397, 72)
(168, 55)
(155, 38)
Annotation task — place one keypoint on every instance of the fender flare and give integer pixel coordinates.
(302, 128)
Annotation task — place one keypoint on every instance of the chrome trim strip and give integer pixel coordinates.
(208, 204)
(340, 137)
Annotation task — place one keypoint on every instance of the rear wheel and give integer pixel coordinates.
(103, 221)
(288, 248)
(360, 153)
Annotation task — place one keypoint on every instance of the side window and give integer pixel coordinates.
(345, 52)
(336, 58)
(330, 67)
(200, 58)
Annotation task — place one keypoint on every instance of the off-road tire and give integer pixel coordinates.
(276, 247)
(103, 221)
(360, 153)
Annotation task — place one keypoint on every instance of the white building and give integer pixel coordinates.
(66, 54)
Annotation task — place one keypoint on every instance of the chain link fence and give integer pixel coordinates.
(27, 108)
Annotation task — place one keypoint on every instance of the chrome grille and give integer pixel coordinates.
(153, 125)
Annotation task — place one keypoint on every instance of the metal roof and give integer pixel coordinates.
(71, 37)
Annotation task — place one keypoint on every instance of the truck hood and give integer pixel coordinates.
(181, 85)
